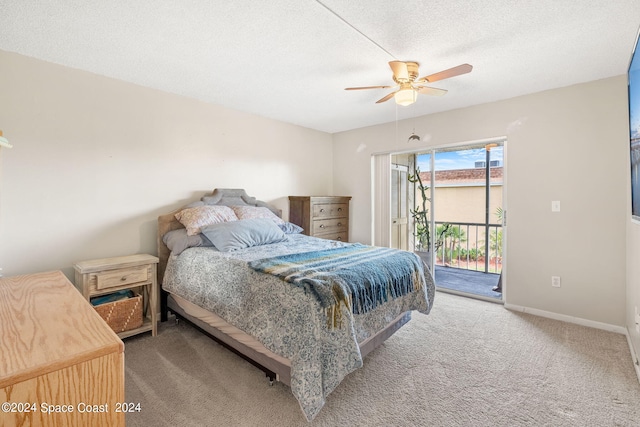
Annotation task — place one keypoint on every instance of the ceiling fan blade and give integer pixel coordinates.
(400, 70)
(386, 98)
(434, 91)
(369, 87)
(451, 72)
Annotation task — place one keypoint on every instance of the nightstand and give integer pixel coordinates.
(134, 272)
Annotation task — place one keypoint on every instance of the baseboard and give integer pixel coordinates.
(634, 355)
(569, 319)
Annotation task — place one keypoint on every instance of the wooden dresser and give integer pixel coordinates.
(321, 216)
(61, 364)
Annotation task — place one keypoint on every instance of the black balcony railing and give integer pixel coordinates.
(471, 246)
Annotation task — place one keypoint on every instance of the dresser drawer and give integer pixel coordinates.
(341, 236)
(330, 210)
(334, 225)
(122, 276)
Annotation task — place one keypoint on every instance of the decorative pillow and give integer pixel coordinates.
(250, 212)
(200, 216)
(234, 235)
(178, 240)
(290, 228)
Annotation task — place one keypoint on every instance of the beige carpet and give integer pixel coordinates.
(469, 363)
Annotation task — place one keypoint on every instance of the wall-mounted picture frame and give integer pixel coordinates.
(633, 79)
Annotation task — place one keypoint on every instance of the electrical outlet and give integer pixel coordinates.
(555, 206)
(555, 281)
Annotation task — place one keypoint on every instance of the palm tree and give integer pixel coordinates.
(456, 235)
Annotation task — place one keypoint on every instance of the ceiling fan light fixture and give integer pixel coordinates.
(405, 74)
(405, 97)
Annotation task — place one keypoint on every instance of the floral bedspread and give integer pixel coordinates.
(282, 317)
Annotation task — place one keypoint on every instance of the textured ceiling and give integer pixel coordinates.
(290, 60)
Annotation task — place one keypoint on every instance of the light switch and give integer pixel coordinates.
(555, 206)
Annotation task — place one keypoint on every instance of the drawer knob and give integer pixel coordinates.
(123, 278)
(339, 238)
(339, 224)
(339, 209)
(321, 210)
(321, 225)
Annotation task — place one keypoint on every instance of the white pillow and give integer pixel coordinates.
(197, 217)
(249, 212)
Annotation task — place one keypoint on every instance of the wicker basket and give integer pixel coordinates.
(122, 315)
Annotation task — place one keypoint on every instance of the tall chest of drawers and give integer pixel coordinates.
(321, 216)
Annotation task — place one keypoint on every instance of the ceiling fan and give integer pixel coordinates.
(405, 74)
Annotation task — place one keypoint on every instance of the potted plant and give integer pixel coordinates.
(420, 215)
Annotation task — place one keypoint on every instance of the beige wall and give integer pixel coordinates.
(569, 144)
(95, 160)
(466, 204)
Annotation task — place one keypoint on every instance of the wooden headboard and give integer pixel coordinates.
(219, 196)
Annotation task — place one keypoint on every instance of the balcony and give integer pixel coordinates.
(465, 263)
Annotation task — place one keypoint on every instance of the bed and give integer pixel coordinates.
(232, 292)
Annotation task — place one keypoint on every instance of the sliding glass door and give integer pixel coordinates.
(468, 210)
(450, 210)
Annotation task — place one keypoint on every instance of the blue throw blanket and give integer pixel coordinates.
(359, 276)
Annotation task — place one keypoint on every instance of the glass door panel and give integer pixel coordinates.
(399, 206)
(464, 187)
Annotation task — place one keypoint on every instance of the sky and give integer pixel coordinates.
(634, 97)
(463, 159)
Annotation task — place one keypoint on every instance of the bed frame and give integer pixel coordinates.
(274, 369)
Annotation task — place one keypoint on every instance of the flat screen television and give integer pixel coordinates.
(633, 75)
